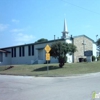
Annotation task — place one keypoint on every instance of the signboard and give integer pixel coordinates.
(47, 56)
(88, 53)
(47, 48)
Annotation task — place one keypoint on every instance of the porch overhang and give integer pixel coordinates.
(4, 51)
(40, 48)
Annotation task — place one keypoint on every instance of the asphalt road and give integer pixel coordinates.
(49, 88)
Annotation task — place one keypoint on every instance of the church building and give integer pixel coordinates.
(34, 53)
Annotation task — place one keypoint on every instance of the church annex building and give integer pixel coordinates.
(34, 53)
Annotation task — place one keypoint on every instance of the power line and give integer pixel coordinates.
(80, 7)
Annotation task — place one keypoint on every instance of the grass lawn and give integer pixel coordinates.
(54, 70)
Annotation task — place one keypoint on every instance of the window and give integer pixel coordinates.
(19, 51)
(23, 51)
(29, 50)
(32, 49)
(12, 52)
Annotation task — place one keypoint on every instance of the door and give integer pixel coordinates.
(40, 54)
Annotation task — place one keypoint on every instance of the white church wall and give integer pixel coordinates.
(94, 50)
(26, 59)
(69, 58)
(6, 59)
(68, 40)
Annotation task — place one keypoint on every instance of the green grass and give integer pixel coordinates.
(54, 70)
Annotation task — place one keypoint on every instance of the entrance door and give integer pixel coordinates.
(40, 54)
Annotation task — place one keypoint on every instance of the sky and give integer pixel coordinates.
(26, 21)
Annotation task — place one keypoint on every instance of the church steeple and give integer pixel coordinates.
(65, 31)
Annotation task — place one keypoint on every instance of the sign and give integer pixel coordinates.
(88, 53)
(47, 56)
(47, 48)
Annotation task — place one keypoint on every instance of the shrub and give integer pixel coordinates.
(98, 58)
(93, 58)
(62, 60)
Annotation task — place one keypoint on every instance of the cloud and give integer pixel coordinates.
(15, 21)
(17, 30)
(21, 38)
(3, 27)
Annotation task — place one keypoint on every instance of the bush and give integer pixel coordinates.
(98, 58)
(62, 60)
(93, 58)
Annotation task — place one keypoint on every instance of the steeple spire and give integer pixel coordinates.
(65, 26)
(65, 31)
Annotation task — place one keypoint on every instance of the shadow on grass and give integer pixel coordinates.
(45, 68)
(9, 67)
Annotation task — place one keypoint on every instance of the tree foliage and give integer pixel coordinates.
(98, 45)
(41, 40)
(59, 51)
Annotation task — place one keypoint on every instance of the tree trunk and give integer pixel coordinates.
(61, 62)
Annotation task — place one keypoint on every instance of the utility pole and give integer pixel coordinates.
(96, 46)
(83, 46)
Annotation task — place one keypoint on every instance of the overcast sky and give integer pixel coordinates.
(25, 21)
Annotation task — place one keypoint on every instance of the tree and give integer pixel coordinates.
(59, 51)
(41, 40)
(98, 45)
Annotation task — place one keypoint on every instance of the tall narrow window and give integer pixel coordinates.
(12, 52)
(23, 51)
(29, 50)
(19, 51)
(32, 49)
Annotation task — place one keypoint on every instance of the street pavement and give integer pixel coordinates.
(49, 88)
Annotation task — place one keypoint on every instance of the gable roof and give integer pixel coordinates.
(33, 43)
(46, 42)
